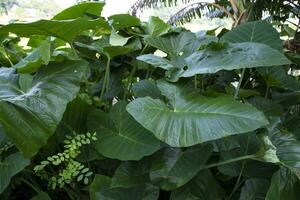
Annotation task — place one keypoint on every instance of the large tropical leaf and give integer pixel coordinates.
(157, 27)
(101, 189)
(284, 186)
(120, 136)
(131, 174)
(88, 9)
(104, 47)
(9, 167)
(38, 57)
(191, 118)
(263, 32)
(30, 118)
(173, 167)
(41, 196)
(287, 149)
(122, 21)
(248, 144)
(233, 56)
(174, 44)
(202, 186)
(278, 77)
(156, 61)
(257, 31)
(63, 29)
(255, 189)
(145, 88)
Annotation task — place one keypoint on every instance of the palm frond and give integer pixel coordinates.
(280, 10)
(141, 5)
(199, 10)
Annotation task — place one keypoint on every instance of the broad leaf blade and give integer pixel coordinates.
(63, 29)
(101, 189)
(156, 61)
(285, 185)
(255, 189)
(202, 186)
(30, 118)
(120, 136)
(80, 10)
(233, 56)
(257, 31)
(193, 118)
(173, 167)
(278, 77)
(9, 167)
(122, 21)
(157, 27)
(38, 57)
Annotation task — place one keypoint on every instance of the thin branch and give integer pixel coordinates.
(239, 84)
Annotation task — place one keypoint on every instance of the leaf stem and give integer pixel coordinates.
(196, 83)
(267, 92)
(237, 184)
(105, 79)
(239, 84)
(251, 156)
(7, 57)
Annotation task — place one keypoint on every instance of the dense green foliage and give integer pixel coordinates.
(94, 108)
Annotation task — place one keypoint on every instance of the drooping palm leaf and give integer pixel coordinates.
(198, 9)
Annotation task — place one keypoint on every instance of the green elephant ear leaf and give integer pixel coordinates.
(255, 189)
(120, 136)
(131, 174)
(202, 186)
(191, 118)
(175, 44)
(41, 196)
(85, 9)
(38, 57)
(284, 185)
(145, 88)
(257, 31)
(30, 118)
(9, 167)
(287, 149)
(173, 167)
(101, 189)
(66, 30)
(122, 21)
(278, 77)
(157, 27)
(233, 56)
(156, 61)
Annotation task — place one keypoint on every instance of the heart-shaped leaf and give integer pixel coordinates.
(192, 118)
(120, 136)
(30, 118)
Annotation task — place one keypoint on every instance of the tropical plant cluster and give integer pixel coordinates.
(119, 109)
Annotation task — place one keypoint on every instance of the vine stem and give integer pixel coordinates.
(251, 156)
(132, 73)
(105, 83)
(239, 84)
